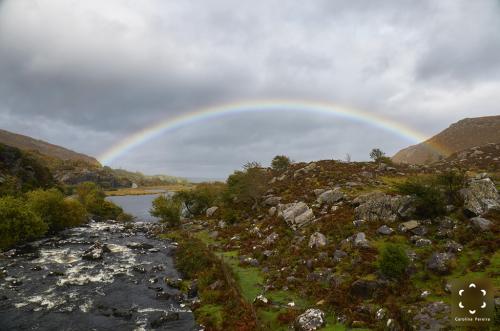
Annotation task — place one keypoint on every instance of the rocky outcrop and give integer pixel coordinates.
(330, 196)
(211, 211)
(296, 214)
(310, 320)
(480, 196)
(305, 170)
(481, 224)
(378, 206)
(440, 262)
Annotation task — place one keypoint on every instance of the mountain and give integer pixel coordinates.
(30, 144)
(464, 134)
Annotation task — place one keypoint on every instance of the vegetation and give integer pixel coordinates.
(18, 224)
(393, 261)
(54, 210)
(93, 198)
(280, 163)
(203, 196)
(167, 209)
(429, 198)
(247, 187)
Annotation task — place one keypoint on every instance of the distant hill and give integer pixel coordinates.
(30, 144)
(464, 134)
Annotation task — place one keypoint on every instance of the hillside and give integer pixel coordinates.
(464, 134)
(30, 144)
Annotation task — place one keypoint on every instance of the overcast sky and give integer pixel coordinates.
(86, 74)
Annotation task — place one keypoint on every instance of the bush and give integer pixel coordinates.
(167, 209)
(57, 212)
(17, 223)
(451, 182)
(203, 196)
(280, 163)
(393, 261)
(247, 186)
(93, 198)
(430, 202)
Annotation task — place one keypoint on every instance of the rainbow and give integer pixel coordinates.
(258, 106)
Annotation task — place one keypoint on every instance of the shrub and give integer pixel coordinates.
(203, 196)
(167, 209)
(247, 186)
(57, 212)
(452, 182)
(393, 261)
(429, 200)
(17, 223)
(280, 163)
(376, 154)
(93, 198)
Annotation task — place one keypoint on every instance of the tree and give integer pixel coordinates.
(348, 157)
(198, 199)
(93, 198)
(280, 163)
(18, 223)
(167, 209)
(376, 154)
(247, 186)
(393, 261)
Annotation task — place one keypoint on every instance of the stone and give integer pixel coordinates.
(261, 300)
(422, 242)
(317, 240)
(311, 320)
(407, 226)
(272, 211)
(440, 262)
(296, 214)
(221, 224)
(480, 196)
(135, 245)
(358, 223)
(272, 201)
(304, 170)
(270, 239)
(251, 261)
(378, 206)
(211, 211)
(453, 247)
(385, 230)
(481, 224)
(338, 255)
(419, 230)
(330, 196)
(95, 252)
(360, 240)
(318, 191)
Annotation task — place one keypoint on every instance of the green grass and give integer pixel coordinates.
(204, 236)
(211, 314)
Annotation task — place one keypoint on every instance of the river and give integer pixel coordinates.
(101, 276)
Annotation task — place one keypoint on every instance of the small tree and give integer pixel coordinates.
(348, 157)
(247, 186)
(167, 209)
(280, 163)
(376, 154)
(393, 261)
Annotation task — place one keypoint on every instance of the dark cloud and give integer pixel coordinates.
(85, 74)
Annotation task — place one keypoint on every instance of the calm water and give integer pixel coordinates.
(136, 205)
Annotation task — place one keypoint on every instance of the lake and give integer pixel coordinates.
(136, 205)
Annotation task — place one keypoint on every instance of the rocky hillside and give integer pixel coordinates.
(308, 248)
(464, 134)
(29, 144)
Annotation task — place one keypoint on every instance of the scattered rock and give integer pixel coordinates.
(296, 214)
(385, 230)
(330, 196)
(310, 320)
(317, 240)
(261, 300)
(407, 226)
(95, 252)
(358, 223)
(378, 206)
(135, 245)
(453, 247)
(270, 239)
(440, 262)
(305, 170)
(481, 224)
(480, 196)
(422, 242)
(272, 211)
(360, 240)
(159, 319)
(338, 255)
(363, 288)
(211, 211)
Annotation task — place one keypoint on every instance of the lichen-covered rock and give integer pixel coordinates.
(360, 240)
(272, 201)
(481, 224)
(211, 211)
(440, 262)
(378, 206)
(480, 196)
(330, 196)
(407, 226)
(310, 320)
(338, 255)
(304, 170)
(317, 240)
(363, 288)
(296, 214)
